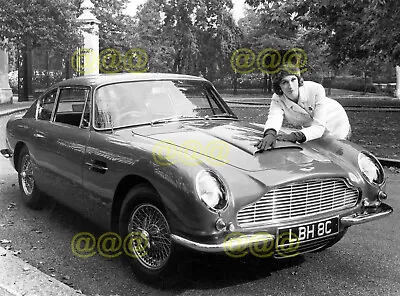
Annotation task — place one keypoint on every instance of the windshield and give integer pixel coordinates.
(131, 103)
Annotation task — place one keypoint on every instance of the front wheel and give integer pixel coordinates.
(147, 234)
(30, 194)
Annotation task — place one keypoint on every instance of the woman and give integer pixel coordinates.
(303, 104)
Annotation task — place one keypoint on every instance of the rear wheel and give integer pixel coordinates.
(147, 235)
(30, 194)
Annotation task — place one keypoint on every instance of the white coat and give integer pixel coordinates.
(316, 114)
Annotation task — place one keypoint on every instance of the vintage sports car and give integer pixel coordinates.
(162, 160)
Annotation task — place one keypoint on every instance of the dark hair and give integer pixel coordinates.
(277, 78)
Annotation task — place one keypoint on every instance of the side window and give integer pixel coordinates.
(46, 105)
(86, 114)
(70, 106)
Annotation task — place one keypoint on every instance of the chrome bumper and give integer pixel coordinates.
(242, 241)
(235, 243)
(369, 214)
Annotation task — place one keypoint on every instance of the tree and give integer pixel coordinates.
(192, 37)
(38, 22)
(113, 30)
(147, 34)
(51, 26)
(364, 31)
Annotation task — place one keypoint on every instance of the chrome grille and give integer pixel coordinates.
(304, 247)
(298, 200)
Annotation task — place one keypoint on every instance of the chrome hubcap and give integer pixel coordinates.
(150, 236)
(27, 181)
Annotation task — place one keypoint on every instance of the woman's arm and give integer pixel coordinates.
(275, 115)
(318, 124)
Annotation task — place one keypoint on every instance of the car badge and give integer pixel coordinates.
(308, 169)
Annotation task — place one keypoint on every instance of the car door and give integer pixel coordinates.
(66, 140)
(38, 129)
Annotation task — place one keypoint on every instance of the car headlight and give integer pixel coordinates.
(370, 168)
(211, 191)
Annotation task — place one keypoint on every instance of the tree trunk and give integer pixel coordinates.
(397, 81)
(235, 84)
(27, 73)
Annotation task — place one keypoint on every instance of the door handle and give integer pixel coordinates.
(97, 166)
(39, 136)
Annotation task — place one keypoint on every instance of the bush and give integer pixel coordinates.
(349, 83)
(40, 80)
(244, 81)
(13, 80)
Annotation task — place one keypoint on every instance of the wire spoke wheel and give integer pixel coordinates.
(27, 180)
(151, 236)
(30, 193)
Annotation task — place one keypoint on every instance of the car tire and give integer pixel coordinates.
(146, 234)
(30, 194)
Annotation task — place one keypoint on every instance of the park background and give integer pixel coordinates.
(348, 44)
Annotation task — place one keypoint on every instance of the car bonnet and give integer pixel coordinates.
(232, 142)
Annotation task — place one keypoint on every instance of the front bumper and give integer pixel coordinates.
(369, 214)
(242, 241)
(237, 242)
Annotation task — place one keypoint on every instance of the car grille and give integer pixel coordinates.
(303, 247)
(299, 200)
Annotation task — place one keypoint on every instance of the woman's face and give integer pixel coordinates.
(290, 87)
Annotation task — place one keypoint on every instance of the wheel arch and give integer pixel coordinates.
(17, 151)
(124, 186)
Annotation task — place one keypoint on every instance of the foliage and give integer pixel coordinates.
(114, 26)
(147, 34)
(360, 34)
(261, 31)
(365, 30)
(34, 22)
(193, 37)
(350, 83)
(52, 24)
(13, 80)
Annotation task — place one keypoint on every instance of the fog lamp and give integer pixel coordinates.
(220, 224)
(382, 195)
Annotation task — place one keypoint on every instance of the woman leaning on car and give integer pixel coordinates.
(303, 104)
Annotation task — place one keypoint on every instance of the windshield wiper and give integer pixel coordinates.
(174, 118)
(224, 115)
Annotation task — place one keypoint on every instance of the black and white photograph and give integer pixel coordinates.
(199, 147)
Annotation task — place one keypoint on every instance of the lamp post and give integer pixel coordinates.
(5, 90)
(90, 31)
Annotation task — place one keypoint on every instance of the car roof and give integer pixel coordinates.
(96, 80)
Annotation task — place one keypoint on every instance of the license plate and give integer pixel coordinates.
(295, 234)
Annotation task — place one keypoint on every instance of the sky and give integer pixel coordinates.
(238, 6)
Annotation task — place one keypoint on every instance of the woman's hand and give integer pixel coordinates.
(268, 141)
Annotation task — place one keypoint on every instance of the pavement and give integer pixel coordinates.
(17, 277)
(14, 107)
